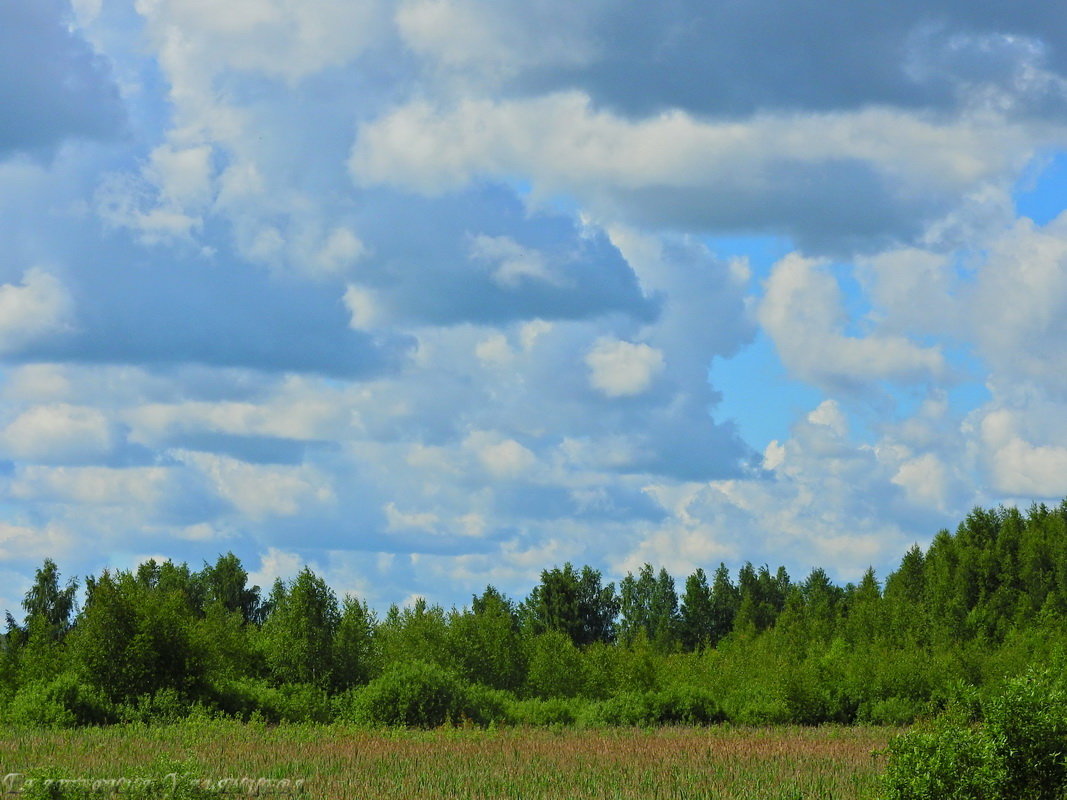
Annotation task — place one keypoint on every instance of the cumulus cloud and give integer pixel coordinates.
(283, 39)
(36, 308)
(57, 433)
(620, 369)
(738, 59)
(802, 311)
(1018, 309)
(795, 173)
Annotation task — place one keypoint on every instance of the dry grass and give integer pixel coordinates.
(342, 763)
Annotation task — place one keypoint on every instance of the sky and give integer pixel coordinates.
(433, 294)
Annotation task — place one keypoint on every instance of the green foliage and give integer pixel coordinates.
(226, 583)
(415, 694)
(677, 705)
(648, 606)
(1017, 751)
(417, 633)
(298, 636)
(551, 712)
(61, 702)
(486, 645)
(133, 639)
(573, 603)
(697, 614)
(1028, 721)
(248, 698)
(898, 711)
(356, 648)
(951, 760)
(555, 666)
(47, 603)
(978, 607)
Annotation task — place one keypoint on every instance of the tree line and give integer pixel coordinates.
(164, 641)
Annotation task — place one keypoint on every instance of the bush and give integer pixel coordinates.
(950, 761)
(486, 705)
(1016, 753)
(552, 712)
(555, 666)
(295, 702)
(166, 705)
(679, 705)
(62, 702)
(891, 711)
(685, 705)
(414, 694)
(1028, 720)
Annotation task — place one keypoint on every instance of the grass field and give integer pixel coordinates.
(342, 763)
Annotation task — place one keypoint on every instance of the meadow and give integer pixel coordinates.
(341, 762)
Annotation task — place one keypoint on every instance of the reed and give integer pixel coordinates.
(345, 763)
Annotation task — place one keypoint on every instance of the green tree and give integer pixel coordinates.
(356, 651)
(725, 602)
(697, 626)
(52, 606)
(649, 606)
(574, 603)
(486, 644)
(555, 666)
(226, 582)
(418, 632)
(133, 639)
(299, 634)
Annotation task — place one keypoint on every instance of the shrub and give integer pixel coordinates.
(552, 712)
(1028, 720)
(414, 694)
(891, 711)
(62, 702)
(951, 760)
(1016, 753)
(555, 666)
(296, 702)
(685, 705)
(166, 705)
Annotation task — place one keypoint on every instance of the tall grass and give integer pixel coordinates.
(341, 762)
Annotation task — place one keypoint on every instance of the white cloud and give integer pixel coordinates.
(502, 457)
(140, 489)
(512, 263)
(623, 369)
(925, 479)
(38, 307)
(183, 175)
(341, 249)
(677, 168)
(397, 520)
(494, 351)
(1018, 467)
(274, 564)
(18, 542)
(1017, 311)
(58, 433)
(486, 41)
(263, 491)
(288, 39)
(365, 309)
(803, 312)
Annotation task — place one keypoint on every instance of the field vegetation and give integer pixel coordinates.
(346, 763)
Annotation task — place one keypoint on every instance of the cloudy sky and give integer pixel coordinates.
(431, 294)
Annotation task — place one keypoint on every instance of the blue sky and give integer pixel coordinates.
(431, 294)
